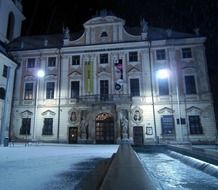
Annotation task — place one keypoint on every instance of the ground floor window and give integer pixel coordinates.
(195, 125)
(167, 124)
(48, 126)
(25, 128)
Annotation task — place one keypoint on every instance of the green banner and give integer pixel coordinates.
(89, 80)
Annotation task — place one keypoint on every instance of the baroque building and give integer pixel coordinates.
(112, 83)
(10, 21)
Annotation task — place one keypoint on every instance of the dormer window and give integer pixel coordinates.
(104, 34)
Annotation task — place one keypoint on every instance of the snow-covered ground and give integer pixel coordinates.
(48, 167)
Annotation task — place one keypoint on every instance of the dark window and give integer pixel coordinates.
(48, 126)
(51, 61)
(133, 56)
(195, 125)
(76, 60)
(25, 128)
(104, 89)
(167, 124)
(103, 58)
(134, 87)
(31, 63)
(2, 93)
(5, 71)
(74, 89)
(10, 27)
(160, 54)
(186, 53)
(50, 86)
(190, 86)
(104, 34)
(28, 95)
(163, 87)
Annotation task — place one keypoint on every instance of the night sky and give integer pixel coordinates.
(49, 16)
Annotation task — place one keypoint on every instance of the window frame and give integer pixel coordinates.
(77, 94)
(103, 58)
(188, 87)
(137, 92)
(28, 94)
(5, 71)
(48, 126)
(25, 126)
(52, 61)
(133, 56)
(196, 130)
(187, 53)
(50, 90)
(161, 88)
(75, 60)
(161, 54)
(31, 63)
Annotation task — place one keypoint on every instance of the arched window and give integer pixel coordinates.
(10, 28)
(2, 93)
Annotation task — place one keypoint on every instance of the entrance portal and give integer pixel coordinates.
(73, 134)
(104, 131)
(138, 135)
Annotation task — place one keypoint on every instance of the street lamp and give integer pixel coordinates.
(165, 74)
(39, 74)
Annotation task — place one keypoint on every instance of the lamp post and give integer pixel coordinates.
(165, 74)
(39, 74)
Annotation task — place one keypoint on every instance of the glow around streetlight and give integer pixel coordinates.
(40, 73)
(163, 74)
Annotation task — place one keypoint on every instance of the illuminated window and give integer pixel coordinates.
(74, 89)
(186, 53)
(134, 87)
(133, 56)
(25, 128)
(51, 61)
(50, 87)
(103, 58)
(28, 94)
(48, 126)
(195, 125)
(76, 60)
(161, 54)
(31, 63)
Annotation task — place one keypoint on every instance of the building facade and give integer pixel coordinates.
(111, 84)
(10, 21)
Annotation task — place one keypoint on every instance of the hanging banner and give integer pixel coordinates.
(89, 80)
(118, 76)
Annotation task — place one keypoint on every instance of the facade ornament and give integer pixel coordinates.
(137, 115)
(144, 26)
(124, 123)
(66, 33)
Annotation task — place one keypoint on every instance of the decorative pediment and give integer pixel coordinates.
(26, 113)
(104, 20)
(29, 77)
(48, 113)
(193, 109)
(165, 110)
(75, 74)
(133, 70)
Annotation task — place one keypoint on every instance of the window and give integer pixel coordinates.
(104, 34)
(133, 56)
(134, 87)
(28, 95)
(2, 93)
(161, 54)
(50, 90)
(48, 126)
(103, 58)
(104, 89)
(186, 53)
(5, 71)
(195, 125)
(76, 60)
(74, 89)
(51, 61)
(31, 63)
(10, 26)
(25, 128)
(167, 124)
(190, 86)
(163, 87)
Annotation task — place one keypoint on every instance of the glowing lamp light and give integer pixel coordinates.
(40, 73)
(163, 74)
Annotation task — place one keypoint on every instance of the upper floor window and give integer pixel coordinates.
(48, 126)
(25, 128)
(161, 54)
(31, 63)
(103, 58)
(50, 86)
(76, 60)
(195, 125)
(190, 85)
(163, 87)
(2, 93)
(186, 53)
(51, 61)
(133, 56)
(28, 94)
(74, 89)
(134, 87)
(5, 71)
(104, 34)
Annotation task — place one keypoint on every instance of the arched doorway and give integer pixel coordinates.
(104, 128)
